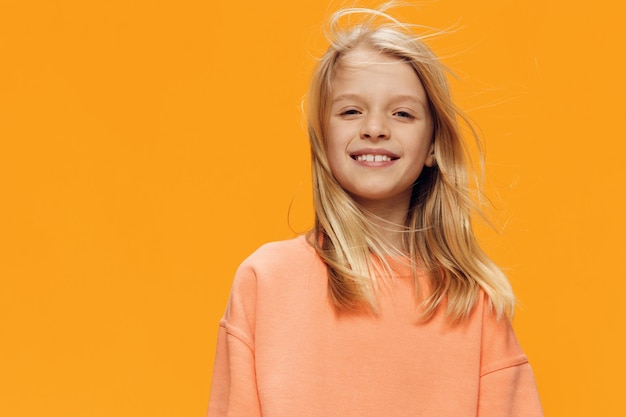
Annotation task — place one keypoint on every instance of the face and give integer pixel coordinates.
(379, 128)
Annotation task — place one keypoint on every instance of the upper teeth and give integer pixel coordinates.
(373, 158)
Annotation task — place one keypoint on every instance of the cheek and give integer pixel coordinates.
(333, 154)
(335, 148)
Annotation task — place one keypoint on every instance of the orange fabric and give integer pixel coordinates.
(283, 351)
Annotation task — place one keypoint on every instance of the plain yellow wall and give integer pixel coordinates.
(147, 147)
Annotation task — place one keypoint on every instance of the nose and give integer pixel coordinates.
(374, 127)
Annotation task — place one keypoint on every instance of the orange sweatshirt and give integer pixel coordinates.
(283, 351)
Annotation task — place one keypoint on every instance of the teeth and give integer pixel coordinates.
(373, 158)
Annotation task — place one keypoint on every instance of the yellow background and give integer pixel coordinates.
(147, 147)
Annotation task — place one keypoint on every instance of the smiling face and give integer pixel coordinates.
(378, 129)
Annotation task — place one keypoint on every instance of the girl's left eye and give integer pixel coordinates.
(404, 114)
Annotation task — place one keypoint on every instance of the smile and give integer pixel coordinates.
(372, 158)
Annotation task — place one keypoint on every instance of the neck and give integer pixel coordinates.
(389, 217)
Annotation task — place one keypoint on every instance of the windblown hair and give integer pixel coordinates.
(438, 235)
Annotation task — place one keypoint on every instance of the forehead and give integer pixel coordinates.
(363, 70)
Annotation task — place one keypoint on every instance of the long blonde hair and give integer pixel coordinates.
(438, 234)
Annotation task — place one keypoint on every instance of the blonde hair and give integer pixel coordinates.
(438, 235)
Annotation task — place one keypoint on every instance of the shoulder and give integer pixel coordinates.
(277, 262)
(280, 256)
(282, 248)
(500, 346)
(274, 278)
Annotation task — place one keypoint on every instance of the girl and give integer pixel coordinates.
(388, 307)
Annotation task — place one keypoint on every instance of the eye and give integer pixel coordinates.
(350, 112)
(404, 115)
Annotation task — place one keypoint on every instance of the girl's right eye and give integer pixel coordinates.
(349, 112)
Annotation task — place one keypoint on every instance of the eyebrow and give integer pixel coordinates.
(399, 97)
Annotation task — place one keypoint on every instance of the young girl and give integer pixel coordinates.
(388, 307)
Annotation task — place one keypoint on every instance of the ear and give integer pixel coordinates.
(430, 158)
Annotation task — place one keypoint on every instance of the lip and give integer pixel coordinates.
(373, 151)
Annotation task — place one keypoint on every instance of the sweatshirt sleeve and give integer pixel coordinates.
(509, 392)
(233, 388)
(507, 385)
